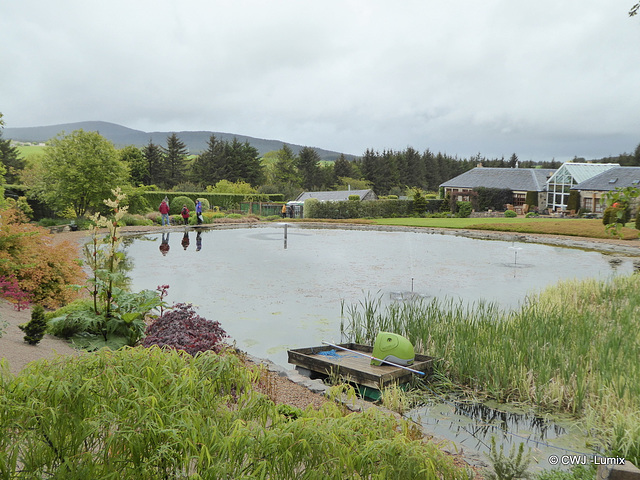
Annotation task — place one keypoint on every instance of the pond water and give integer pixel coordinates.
(270, 298)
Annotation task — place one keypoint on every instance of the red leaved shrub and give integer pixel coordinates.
(43, 270)
(181, 328)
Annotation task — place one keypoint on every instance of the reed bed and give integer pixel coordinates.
(574, 347)
(148, 414)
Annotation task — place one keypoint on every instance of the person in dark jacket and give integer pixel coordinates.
(185, 214)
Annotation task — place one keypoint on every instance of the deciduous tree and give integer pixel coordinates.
(138, 166)
(80, 169)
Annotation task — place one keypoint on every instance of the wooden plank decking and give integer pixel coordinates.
(353, 367)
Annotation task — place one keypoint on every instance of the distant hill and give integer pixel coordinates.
(121, 136)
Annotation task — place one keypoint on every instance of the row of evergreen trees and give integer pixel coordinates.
(388, 172)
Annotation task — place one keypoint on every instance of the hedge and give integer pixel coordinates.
(365, 209)
(225, 201)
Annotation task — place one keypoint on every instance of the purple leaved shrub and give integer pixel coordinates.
(181, 328)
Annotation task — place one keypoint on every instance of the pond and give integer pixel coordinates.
(270, 298)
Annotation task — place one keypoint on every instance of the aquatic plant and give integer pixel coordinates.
(570, 348)
(508, 467)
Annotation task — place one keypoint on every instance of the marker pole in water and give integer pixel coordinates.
(374, 358)
(285, 235)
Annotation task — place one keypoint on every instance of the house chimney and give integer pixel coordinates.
(479, 165)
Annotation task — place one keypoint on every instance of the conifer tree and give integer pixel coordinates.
(35, 329)
(11, 159)
(155, 164)
(176, 160)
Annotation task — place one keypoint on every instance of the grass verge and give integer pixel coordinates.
(591, 228)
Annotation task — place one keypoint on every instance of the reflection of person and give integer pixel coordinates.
(185, 240)
(198, 241)
(185, 214)
(164, 245)
(164, 211)
(199, 212)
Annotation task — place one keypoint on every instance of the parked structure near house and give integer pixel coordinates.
(330, 196)
(568, 176)
(337, 195)
(593, 189)
(518, 180)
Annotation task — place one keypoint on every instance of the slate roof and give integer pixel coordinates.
(518, 179)
(335, 196)
(616, 177)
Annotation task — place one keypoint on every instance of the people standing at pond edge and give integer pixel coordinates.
(185, 214)
(164, 212)
(284, 211)
(198, 212)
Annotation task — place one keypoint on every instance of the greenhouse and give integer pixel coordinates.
(569, 175)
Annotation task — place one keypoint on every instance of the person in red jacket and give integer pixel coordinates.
(164, 212)
(185, 214)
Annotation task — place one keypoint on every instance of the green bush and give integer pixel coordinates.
(137, 201)
(620, 214)
(51, 222)
(354, 198)
(209, 217)
(510, 214)
(205, 204)
(574, 201)
(531, 215)
(464, 210)
(531, 199)
(177, 203)
(135, 220)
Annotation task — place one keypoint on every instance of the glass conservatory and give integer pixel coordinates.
(570, 174)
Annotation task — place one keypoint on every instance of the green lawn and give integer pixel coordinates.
(29, 150)
(581, 227)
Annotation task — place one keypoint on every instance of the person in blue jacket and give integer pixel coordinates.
(199, 212)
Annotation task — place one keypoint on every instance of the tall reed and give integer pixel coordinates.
(573, 347)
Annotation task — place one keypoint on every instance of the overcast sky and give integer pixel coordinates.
(543, 79)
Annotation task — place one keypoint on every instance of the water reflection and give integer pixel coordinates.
(185, 240)
(164, 244)
(270, 299)
(474, 424)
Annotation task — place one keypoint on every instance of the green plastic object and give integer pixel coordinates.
(394, 348)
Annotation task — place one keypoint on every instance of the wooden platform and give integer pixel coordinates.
(356, 368)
